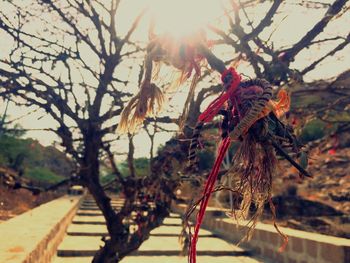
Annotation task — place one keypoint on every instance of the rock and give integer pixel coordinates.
(317, 222)
(340, 197)
(331, 184)
(294, 224)
(295, 206)
(343, 181)
(339, 173)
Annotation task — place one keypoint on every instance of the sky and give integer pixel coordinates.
(183, 17)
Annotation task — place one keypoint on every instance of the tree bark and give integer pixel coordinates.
(131, 152)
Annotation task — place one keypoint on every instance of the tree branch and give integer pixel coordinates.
(332, 11)
(331, 53)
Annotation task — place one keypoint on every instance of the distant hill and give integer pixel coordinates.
(50, 158)
(41, 165)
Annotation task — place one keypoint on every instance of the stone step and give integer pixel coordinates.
(79, 246)
(172, 215)
(89, 213)
(71, 259)
(95, 208)
(94, 219)
(96, 213)
(112, 202)
(88, 220)
(235, 258)
(212, 253)
(101, 230)
(177, 235)
(184, 259)
(175, 230)
(171, 244)
(168, 224)
(94, 204)
(84, 239)
(169, 220)
(87, 230)
(89, 197)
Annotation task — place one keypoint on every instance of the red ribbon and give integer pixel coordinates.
(216, 105)
(207, 116)
(225, 143)
(230, 75)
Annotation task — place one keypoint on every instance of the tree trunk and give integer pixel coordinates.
(90, 175)
(131, 155)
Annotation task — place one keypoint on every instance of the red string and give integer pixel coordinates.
(225, 143)
(207, 116)
(216, 105)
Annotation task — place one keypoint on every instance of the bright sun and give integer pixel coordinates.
(183, 17)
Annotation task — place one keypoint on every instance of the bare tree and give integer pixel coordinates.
(151, 134)
(66, 60)
(275, 64)
(70, 66)
(130, 158)
(268, 62)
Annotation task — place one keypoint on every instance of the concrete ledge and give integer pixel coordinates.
(35, 235)
(303, 247)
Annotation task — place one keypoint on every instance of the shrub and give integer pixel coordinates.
(313, 130)
(42, 176)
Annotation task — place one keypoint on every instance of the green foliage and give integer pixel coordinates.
(52, 159)
(14, 151)
(206, 159)
(107, 178)
(141, 167)
(123, 168)
(160, 148)
(313, 130)
(15, 131)
(43, 176)
(41, 164)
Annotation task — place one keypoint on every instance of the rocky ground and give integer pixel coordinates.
(320, 204)
(15, 202)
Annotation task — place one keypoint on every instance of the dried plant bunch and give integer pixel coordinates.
(253, 119)
(184, 57)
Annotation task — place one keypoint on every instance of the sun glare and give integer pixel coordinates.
(183, 17)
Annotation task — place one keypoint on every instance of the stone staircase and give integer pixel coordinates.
(83, 238)
(84, 234)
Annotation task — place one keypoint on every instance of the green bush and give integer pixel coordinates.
(313, 130)
(141, 167)
(107, 178)
(206, 159)
(14, 151)
(43, 175)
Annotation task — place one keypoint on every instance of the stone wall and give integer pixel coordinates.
(35, 235)
(303, 247)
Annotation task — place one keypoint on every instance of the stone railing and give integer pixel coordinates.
(35, 235)
(303, 247)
